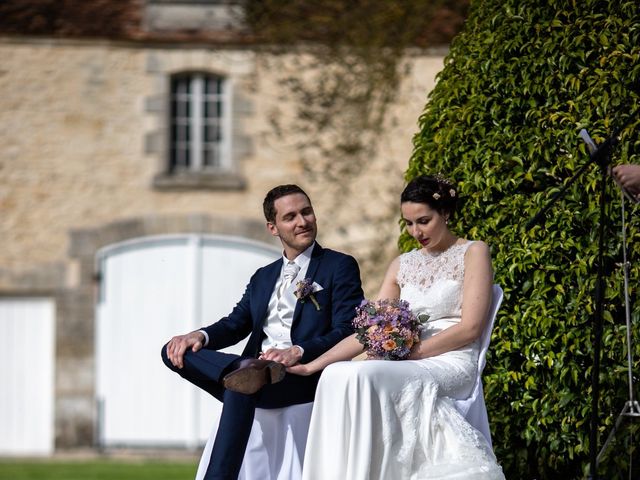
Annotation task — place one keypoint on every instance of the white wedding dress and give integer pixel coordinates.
(395, 420)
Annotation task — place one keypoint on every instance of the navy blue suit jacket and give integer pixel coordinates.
(316, 331)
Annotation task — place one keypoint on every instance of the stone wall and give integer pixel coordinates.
(83, 129)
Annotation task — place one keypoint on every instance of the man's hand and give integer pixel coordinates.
(286, 356)
(629, 177)
(178, 345)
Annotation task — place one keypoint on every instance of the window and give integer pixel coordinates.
(200, 124)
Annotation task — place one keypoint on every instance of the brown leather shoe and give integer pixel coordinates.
(253, 374)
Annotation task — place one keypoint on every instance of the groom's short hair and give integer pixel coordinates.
(268, 206)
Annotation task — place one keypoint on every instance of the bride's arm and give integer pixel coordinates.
(476, 300)
(389, 288)
(344, 350)
(350, 346)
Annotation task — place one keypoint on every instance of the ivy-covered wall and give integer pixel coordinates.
(521, 80)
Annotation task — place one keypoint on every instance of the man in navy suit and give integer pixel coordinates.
(283, 328)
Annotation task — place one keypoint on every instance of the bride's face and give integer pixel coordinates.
(426, 225)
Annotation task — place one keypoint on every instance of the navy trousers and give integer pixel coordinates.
(206, 369)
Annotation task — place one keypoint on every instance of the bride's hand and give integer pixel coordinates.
(300, 369)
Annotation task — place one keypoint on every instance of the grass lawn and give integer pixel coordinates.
(102, 469)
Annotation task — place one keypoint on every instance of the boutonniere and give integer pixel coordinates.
(305, 289)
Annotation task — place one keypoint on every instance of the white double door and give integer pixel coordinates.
(151, 289)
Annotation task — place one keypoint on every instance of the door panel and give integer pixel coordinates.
(152, 289)
(27, 345)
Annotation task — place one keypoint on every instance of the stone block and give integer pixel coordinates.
(75, 421)
(155, 104)
(242, 146)
(154, 64)
(177, 16)
(242, 106)
(153, 142)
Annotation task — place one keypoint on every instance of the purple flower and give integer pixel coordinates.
(304, 291)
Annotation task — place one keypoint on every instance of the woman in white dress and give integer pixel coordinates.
(387, 420)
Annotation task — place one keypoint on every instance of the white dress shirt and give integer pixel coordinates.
(277, 325)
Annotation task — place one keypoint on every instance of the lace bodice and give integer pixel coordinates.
(432, 283)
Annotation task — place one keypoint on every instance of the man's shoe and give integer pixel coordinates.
(253, 374)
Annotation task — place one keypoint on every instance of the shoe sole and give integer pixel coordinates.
(249, 380)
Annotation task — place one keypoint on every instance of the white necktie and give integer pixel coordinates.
(291, 270)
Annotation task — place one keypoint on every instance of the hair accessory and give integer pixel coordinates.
(452, 192)
(443, 180)
(436, 196)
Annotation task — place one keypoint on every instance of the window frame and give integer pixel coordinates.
(188, 145)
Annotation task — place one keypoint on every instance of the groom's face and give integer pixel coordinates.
(295, 224)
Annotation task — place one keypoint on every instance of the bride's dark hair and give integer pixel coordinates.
(437, 192)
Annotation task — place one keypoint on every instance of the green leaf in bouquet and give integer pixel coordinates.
(371, 310)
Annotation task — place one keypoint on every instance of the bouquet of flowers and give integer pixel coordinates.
(387, 328)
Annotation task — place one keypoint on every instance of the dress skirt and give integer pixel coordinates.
(380, 419)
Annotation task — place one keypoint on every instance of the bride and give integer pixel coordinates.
(387, 420)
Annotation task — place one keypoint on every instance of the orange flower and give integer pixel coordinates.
(389, 345)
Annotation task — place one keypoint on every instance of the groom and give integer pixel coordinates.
(283, 329)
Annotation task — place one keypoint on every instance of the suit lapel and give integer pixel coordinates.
(314, 263)
(265, 289)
